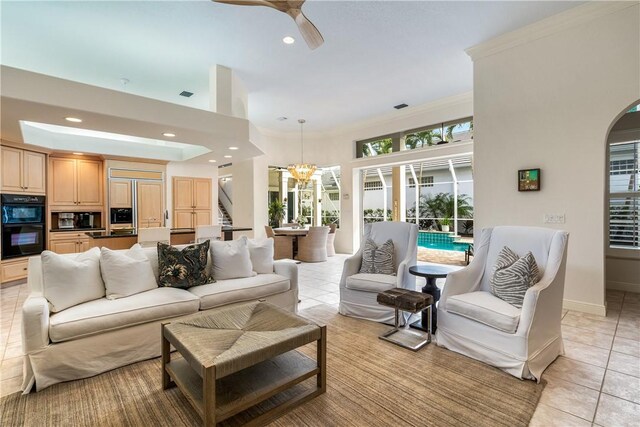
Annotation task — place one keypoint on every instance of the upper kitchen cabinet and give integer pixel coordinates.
(23, 171)
(75, 183)
(120, 194)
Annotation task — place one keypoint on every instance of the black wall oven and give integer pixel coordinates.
(23, 221)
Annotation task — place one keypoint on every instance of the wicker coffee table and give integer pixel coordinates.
(238, 356)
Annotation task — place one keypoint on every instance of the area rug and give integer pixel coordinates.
(370, 383)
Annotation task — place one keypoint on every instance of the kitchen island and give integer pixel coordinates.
(124, 240)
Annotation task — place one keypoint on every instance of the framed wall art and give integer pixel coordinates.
(529, 180)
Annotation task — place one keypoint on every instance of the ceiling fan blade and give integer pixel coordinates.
(247, 2)
(309, 31)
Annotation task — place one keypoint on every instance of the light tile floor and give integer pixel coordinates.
(596, 382)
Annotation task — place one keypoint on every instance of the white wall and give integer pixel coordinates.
(559, 85)
(194, 170)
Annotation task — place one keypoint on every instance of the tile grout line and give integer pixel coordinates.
(606, 369)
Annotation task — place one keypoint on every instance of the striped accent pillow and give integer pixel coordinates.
(512, 276)
(378, 259)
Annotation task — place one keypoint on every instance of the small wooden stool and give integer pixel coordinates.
(412, 302)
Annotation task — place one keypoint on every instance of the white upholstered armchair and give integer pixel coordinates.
(358, 291)
(474, 322)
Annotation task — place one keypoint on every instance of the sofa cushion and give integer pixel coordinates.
(105, 315)
(119, 267)
(512, 276)
(231, 259)
(378, 259)
(183, 267)
(261, 253)
(485, 308)
(71, 279)
(236, 290)
(371, 282)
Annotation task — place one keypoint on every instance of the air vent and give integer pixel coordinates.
(186, 93)
(400, 106)
(226, 165)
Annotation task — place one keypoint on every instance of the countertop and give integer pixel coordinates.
(104, 235)
(74, 230)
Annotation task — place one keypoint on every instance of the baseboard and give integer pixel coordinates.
(623, 286)
(584, 307)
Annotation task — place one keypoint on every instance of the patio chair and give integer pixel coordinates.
(474, 322)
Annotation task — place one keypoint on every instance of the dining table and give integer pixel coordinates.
(290, 231)
(293, 234)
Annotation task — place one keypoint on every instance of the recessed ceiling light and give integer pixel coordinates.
(212, 161)
(281, 119)
(233, 148)
(79, 154)
(227, 156)
(73, 119)
(169, 134)
(288, 40)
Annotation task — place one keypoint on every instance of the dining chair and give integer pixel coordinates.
(313, 246)
(331, 250)
(282, 245)
(149, 237)
(208, 232)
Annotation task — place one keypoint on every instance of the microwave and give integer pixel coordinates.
(121, 215)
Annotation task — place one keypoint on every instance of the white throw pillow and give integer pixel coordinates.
(126, 273)
(71, 280)
(231, 259)
(261, 252)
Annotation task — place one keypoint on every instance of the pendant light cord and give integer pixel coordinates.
(302, 122)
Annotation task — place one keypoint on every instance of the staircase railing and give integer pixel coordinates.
(224, 198)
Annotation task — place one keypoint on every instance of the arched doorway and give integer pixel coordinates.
(622, 204)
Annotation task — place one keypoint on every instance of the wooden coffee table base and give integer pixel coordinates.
(218, 400)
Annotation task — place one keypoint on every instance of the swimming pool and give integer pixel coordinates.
(441, 241)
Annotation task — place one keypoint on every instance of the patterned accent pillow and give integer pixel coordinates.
(378, 259)
(512, 276)
(183, 268)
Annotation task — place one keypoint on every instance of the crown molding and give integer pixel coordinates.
(548, 26)
(387, 118)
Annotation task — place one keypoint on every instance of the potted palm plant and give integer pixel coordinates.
(276, 213)
(445, 223)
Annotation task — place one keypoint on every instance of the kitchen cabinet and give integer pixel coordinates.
(191, 202)
(23, 171)
(75, 183)
(13, 269)
(120, 194)
(69, 242)
(150, 206)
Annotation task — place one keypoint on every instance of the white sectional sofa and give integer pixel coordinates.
(103, 334)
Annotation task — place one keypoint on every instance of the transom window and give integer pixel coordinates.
(413, 139)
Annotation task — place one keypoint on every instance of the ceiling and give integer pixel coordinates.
(376, 54)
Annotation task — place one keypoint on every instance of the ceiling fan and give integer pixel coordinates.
(293, 8)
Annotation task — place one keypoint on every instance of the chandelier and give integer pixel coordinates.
(302, 172)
